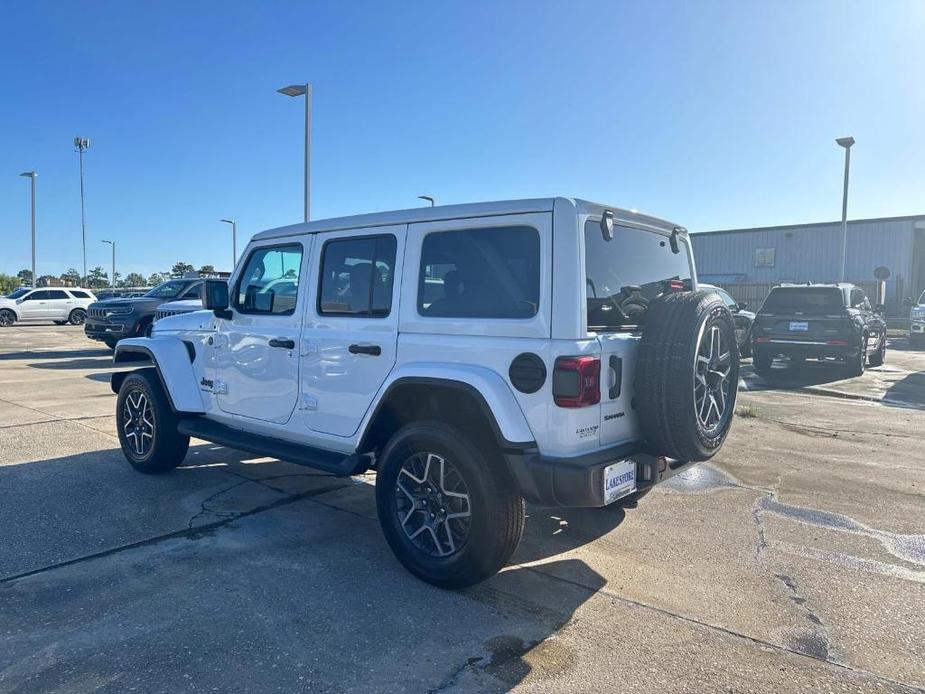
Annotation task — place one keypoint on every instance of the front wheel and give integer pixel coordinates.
(879, 356)
(147, 427)
(7, 318)
(78, 317)
(449, 512)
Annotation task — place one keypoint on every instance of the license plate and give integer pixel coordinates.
(619, 480)
(799, 326)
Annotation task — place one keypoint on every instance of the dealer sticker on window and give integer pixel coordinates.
(619, 480)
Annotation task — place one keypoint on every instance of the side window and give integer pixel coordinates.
(357, 276)
(57, 294)
(36, 296)
(857, 298)
(269, 284)
(79, 295)
(480, 273)
(195, 292)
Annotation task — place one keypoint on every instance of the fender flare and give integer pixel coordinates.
(172, 359)
(487, 388)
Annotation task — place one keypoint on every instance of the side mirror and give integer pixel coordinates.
(607, 225)
(742, 305)
(880, 308)
(215, 297)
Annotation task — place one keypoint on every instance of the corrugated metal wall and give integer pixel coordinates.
(810, 253)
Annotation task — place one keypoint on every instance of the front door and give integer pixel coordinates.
(257, 349)
(34, 306)
(351, 334)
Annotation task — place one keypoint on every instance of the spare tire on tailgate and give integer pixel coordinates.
(687, 375)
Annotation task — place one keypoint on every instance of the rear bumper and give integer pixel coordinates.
(579, 482)
(806, 348)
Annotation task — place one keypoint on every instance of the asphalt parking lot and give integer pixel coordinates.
(795, 561)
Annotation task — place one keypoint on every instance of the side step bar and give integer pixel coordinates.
(329, 461)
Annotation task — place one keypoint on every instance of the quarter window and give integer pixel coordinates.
(356, 277)
(269, 284)
(480, 273)
(79, 295)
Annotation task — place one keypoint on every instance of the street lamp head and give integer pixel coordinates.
(82, 143)
(294, 90)
(428, 198)
(105, 241)
(845, 142)
(29, 174)
(227, 221)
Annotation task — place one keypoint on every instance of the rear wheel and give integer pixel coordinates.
(147, 427)
(78, 317)
(879, 356)
(857, 363)
(7, 318)
(449, 512)
(688, 375)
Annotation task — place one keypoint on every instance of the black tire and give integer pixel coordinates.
(671, 393)
(857, 363)
(7, 318)
(78, 317)
(762, 361)
(59, 322)
(496, 510)
(150, 440)
(878, 357)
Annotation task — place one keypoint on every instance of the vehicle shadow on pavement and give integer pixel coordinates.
(793, 375)
(96, 362)
(553, 531)
(907, 392)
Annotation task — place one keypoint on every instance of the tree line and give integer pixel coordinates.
(98, 278)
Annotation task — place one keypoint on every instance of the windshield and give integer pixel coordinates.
(922, 298)
(624, 274)
(19, 292)
(804, 300)
(167, 290)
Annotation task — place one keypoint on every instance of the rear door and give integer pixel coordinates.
(351, 335)
(621, 276)
(805, 314)
(59, 304)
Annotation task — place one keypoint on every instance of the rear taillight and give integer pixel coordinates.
(576, 381)
(837, 343)
(676, 285)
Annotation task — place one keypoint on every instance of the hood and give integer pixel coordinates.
(192, 321)
(137, 301)
(181, 305)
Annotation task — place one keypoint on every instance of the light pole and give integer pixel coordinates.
(32, 175)
(234, 240)
(845, 142)
(306, 90)
(428, 198)
(82, 144)
(113, 244)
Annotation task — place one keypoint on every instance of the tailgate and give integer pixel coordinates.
(805, 327)
(618, 358)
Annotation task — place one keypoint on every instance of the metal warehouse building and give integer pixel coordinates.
(748, 262)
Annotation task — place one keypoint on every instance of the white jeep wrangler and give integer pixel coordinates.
(472, 355)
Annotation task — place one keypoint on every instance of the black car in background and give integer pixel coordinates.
(743, 319)
(819, 321)
(111, 320)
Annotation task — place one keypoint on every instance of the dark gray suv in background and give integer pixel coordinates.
(111, 320)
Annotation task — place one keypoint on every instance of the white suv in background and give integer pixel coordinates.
(58, 304)
(474, 356)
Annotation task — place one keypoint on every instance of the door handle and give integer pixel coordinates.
(282, 343)
(372, 350)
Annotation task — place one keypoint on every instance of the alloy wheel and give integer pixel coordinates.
(432, 504)
(138, 422)
(711, 378)
(78, 317)
(7, 318)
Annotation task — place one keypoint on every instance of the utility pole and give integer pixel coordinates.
(32, 175)
(234, 240)
(82, 144)
(306, 91)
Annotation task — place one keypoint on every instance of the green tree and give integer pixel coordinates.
(180, 269)
(133, 279)
(25, 276)
(71, 277)
(8, 283)
(155, 279)
(207, 270)
(98, 278)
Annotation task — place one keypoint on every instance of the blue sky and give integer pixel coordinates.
(713, 114)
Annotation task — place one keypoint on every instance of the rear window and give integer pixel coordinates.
(804, 300)
(480, 273)
(624, 274)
